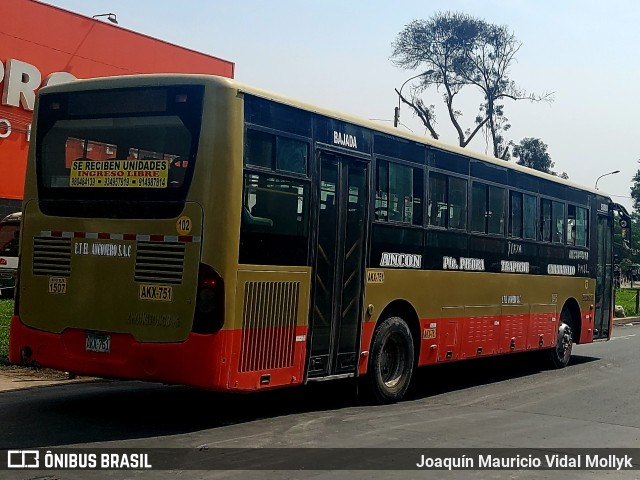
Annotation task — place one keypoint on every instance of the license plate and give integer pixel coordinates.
(162, 293)
(57, 285)
(98, 343)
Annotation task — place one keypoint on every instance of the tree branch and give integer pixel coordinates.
(423, 113)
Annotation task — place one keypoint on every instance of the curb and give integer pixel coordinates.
(626, 320)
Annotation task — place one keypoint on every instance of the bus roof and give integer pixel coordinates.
(167, 79)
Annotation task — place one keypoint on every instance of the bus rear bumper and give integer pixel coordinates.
(195, 361)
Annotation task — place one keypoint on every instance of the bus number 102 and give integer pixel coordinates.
(183, 225)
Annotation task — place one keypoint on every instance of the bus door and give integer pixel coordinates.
(604, 277)
(339, 265)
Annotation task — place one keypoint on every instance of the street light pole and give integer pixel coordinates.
(110, 16)
(396, 110)
(604, 175)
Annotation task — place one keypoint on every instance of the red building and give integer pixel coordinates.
(41, 44)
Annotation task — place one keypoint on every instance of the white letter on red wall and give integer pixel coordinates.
(21, 83)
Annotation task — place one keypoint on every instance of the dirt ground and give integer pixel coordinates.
(14, 377)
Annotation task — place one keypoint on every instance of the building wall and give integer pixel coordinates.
(37, 41)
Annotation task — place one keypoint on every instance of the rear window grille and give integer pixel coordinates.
(52, 256)
(159, 262)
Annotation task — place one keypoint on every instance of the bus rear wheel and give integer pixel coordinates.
(560, 355)
(391, 360)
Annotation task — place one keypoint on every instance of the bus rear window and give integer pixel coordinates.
(102, 145)
(129, 152)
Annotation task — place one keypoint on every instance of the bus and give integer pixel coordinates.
(194, 230)
(9, 241)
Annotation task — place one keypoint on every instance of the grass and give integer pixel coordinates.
(626, 297)
(6, 310)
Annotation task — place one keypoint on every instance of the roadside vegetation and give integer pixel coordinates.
(6, 309)
(626, 298)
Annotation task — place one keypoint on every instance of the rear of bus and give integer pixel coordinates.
(114, 281)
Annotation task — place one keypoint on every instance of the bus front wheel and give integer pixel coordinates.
(391, 360)
(559, 355)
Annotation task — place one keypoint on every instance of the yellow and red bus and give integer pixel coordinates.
(194, 230)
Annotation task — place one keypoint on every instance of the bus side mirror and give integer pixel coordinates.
(625, 226)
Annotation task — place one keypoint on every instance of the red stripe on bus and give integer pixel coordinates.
(164, 362)
(56, 234)
(156, 238)
(79, 235)
(160, 362)
(185, 238)
(129, 236)
(440, 340)
(104, 236)
(367, 334)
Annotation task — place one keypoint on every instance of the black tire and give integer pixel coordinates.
(560, 355)
(391, 360)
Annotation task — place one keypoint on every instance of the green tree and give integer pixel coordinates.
(627, 256)
(455, 50)
(635, 192)
(632, 254)
(532, 153)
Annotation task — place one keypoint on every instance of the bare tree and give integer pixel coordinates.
(457, 50)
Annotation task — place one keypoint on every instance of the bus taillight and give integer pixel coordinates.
(209, 314)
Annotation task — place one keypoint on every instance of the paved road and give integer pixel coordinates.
(594, 402)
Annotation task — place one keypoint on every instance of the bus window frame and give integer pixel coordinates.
(505, 205)
(374, 179)
(586, 231)
(192, 119)
(448, 174)
(311, 160)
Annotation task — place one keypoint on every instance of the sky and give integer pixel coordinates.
(336, 53)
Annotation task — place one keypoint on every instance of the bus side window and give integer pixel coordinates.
(250, 219)
(557, 213)
(571, 225)
(274, 227)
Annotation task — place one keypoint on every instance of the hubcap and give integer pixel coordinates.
(392, 362)
(565, 340)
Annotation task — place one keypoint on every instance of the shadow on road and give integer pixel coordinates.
(110, 410)
(450, 377)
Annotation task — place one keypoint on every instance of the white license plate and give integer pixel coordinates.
(98, 343)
